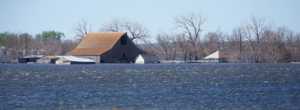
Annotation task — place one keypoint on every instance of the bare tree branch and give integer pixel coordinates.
(191, 25)
(136, 32)
(81, 29)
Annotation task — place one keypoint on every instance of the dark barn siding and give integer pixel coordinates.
(122, 52)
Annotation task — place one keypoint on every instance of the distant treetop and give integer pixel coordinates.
(50, 34)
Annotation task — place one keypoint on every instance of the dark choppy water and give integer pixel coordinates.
(162, 86)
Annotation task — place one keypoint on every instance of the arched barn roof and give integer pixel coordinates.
(96, 43)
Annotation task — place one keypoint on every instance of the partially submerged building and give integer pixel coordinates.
(146, 58)
(68, 60)
(48, 59)
(216, 57)
(30, 58)
(44, 60)
(53, 59)
(107, 47)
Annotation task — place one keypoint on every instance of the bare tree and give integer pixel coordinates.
(150, 48)
(165, 47)
(295, 47)
(68, 45)
(191, 24)
(52, 47)
(221, 40)
(235, 46)
(37, 46)
(211, 41)
(26, 39)
(81, 29)
(168, 45)
(282, 35)
(184, 46)
(277, 46)
(174, 40)
(254, 35)
(136, 31)
(13, 44)
(113, 26)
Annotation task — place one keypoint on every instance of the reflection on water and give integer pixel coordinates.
(162, 86)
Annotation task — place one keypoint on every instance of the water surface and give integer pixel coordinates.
(150, 86)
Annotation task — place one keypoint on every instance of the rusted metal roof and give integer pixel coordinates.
(52, 57)
(223, 55)
(96, 43)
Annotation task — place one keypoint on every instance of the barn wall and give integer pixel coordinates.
(116, 54)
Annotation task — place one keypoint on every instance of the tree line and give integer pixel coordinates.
(255, 41)
(252, 42)
(45, 43)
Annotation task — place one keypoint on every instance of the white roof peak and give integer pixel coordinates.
(214, 55)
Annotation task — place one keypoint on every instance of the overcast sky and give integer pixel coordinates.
(35, 16)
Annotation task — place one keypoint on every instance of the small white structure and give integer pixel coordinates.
(144, 58)
(216, 57)
(68, 60)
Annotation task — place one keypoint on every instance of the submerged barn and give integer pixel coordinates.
(145, 58)
(216, 57)
(68, 60)
(107, 47)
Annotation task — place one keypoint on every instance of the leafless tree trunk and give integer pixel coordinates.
(221, 43)
(235, 46)
(81, 29)
(184, 46)
(174, 39)
(191, 24)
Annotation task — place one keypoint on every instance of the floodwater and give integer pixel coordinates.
(150, 86)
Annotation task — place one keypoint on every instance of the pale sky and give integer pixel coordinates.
(35, 16)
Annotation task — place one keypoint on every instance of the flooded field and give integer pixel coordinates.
(151, 86)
